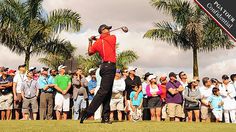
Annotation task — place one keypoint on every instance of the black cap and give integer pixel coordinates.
(44, 69)
(102, 27)
(172, 74)
(225, 77)
(146, 75)
(23, 65)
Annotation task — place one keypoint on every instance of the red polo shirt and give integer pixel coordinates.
(106, 47)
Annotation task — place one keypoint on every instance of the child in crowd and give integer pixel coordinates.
(136, 104)
(216, 104)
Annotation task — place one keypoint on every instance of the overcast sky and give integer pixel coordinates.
(138, 15)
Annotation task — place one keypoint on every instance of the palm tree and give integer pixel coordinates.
(25, 28)
(122, 61)
(191, 29)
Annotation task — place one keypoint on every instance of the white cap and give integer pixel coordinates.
(32, 68)
(90, 70)
(61, 67)
(152, 77)
(132, 69)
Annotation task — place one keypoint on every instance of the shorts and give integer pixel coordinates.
(18, 102)
(30, 102)
(174, 110)
(128, 107)
(136, 114)
(218, 114)
(117, 104)
(205, 112)
(6, 101)
(154, 102)
(62, 102)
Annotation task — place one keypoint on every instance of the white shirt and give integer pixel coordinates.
(118, 86)
(205, 92)
(19, 79)
(228, 93)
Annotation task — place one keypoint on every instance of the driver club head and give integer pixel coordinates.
(125, 29)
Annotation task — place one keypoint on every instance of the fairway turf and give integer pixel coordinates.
(142, 126)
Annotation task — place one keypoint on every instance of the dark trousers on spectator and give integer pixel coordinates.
(146, 110)
(103, 96)
(46, 106)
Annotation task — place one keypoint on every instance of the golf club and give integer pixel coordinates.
(123, 28)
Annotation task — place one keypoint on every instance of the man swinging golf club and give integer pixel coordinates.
(106, 47)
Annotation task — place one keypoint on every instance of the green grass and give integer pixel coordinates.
(142, 126)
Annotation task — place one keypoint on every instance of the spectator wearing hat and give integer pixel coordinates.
(174, 98)
(11, 73)
(62, 98)
(146, 111)
(206, 92)
(19, 78)
(80, 94)
(192, 98)
(92, 84)
(125, 73)
(29, 93)
(162, 85)
(6, 96)
(130, 81)
(46, 96)
(154, 98)
(117, 98)
(90, 73)
(228, 93)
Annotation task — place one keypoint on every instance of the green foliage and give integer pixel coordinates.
(191, 29)
(25, 28)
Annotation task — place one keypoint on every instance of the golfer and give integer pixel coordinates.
(106, 47)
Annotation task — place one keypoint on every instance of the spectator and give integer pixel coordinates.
(29, 93)
(163, 81)
(6, 97)
(154, 100)
(117, 98)
(46, 96)
(90, 73)
(92, 84)
(136, 104)
(206, 92)
(183, 79)
(131, 80)
(62, 98)
(146, 111)
(233, 79)
(216, 104)
(125, 74)
(192, 97)
(11, 73)
(215, 82)
(228, 93)
(19, 78)
(79, 93)
(174, 98)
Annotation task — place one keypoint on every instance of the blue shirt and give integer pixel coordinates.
(91, 85)
(43, 81)
(215, 100)
(139, 99)
(8, 79)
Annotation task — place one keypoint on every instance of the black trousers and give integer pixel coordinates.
(103, 96)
